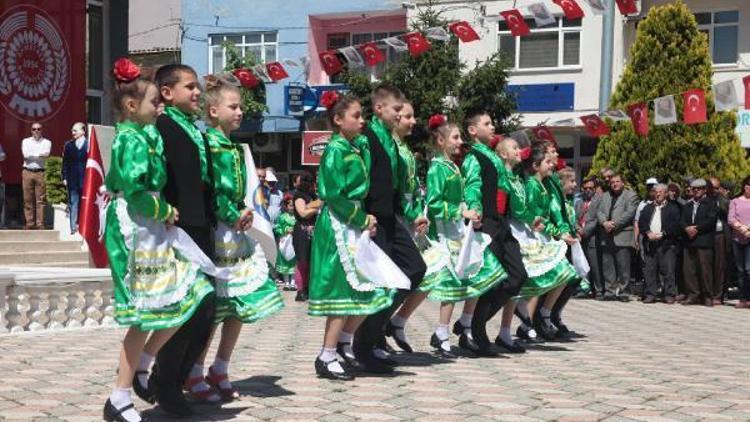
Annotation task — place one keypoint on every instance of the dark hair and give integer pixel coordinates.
(472, 117)
(169, 74)
(306, 182)
(538, 154)
(384, 91)
(592, 179)
(135, 89)
(340, 107)
(745, 182)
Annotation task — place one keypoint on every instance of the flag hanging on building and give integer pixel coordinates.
(373, 55)
(627, 7)
(639, 116)
(515, 22)
(262, 228)
(746, 84)
(725, 96)
(570, 8)
(352, 56)
(597, 6)
(331, 63)
(694, 107)
(595, 126)
(464, 31)
(543, 132)
(665, 111)
(93, 204)
(246, 77)
(276, 71)
(542, 15)
(417, 43)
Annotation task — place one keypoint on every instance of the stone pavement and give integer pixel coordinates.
(637, 362)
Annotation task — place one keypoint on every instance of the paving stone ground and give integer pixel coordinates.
(636, 362)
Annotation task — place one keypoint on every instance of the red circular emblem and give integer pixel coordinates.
(34, 64)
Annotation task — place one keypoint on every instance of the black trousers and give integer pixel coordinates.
(177, 356)
(562, 300)
(508, 252)
(394, 239)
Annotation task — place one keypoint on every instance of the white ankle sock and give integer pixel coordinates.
(345, 337)
(329, 357)
(505, 335)
(144, 364)
(197, 372)
(221, 367)
(120, 398)
(398, 321)
(442, 332)
(465, 320)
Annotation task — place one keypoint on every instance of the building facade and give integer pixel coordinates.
(154, 33)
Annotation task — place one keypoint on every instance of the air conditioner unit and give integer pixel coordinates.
(267, 142)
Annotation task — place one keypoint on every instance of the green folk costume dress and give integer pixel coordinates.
(336, 287)
(155, 287)
(283, 227)
(445, 204)
(543, 256)
(249, 294)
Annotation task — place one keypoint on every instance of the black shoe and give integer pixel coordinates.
(609, 297)
(174, 403)
(436, 343)
(113, 414)
(524, 335)
(623, 298)
(370, 363)
(542, 329)
(390, 331)
(145, 393)
(514, 347)
(459, 328)
(383, 344)
(349, 358)
(562, 330)
(321, 368)
(482, 351)
(301, 296)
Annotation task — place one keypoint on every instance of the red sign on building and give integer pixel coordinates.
(42, 74)
(313, 145)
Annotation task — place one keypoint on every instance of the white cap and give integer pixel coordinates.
(649, 181)
(270, 177)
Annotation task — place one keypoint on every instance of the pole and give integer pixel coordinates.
(608, 41)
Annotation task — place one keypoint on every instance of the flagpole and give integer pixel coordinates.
(608, 41)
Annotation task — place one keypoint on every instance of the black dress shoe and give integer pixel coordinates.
(514, 347)
(562, 329)
(390, 331)
(383, 344)
(321, 368)
(436, 343)
(145, 393)
(301, 296)
(524, 335)
(349, 358)
(479, 350)
(374, 365)
(459, 328)
(113, 414)
(543, 330)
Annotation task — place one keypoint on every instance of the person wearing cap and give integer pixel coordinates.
(699, 226)
(660, 225)
(275, 196)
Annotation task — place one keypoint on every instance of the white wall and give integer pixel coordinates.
(154, 25)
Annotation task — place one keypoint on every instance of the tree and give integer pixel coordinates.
(253, 100)
(670, 56)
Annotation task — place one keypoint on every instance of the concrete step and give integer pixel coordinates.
(71, 264)
(28, 235)
(46, 258)
(39, 246)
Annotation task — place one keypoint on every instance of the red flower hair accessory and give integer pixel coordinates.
(525, 153)
(494, 141)
(436, 121)
(125, 70)
(561, 164)
(329, 99)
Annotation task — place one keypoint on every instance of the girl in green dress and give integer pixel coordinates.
(447, 210)
(338, 290)
(283, 230)
(155, 287)
(249, 294)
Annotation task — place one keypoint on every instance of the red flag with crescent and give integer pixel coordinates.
(464, 31)
(276, 71)
(93, 204)
(543, 132)
(516, 23)
(595, 126)
(331, 63)
(417, 43)
(746, 84)
(570, 8)
(694, 107)
(639, 116)
(372, 54)
(627, 7)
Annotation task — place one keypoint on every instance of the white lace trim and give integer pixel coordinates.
(254, 263)
(346, 258)
(528, 239)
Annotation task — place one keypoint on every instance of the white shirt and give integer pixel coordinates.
(35, 152)
(2, 158)
(80, 141)
(655, 226)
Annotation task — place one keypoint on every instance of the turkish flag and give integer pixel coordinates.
(595, 126)
(372, 54)
(571, 9)
(543, 132)
(331, 63)
(417, 43)
(746, 83)
(627, 7)
(516, 23)
(639, 116)
(464, 31)
(246, 78)
(93, 204)
(276, 71)
(694, 107)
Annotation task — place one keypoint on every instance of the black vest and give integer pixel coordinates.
(489, 185)
(381, 199)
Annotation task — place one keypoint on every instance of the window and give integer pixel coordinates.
(263, 45)
(552, 46)
(722, 29)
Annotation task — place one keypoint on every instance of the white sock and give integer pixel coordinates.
(442, 332)
(144, 365)
(345, 337)
(545, 313)
(465, 320)
(329, 357)
(120, 398)
(197, 372)
(221, 367)
(505, 335)
(398, 321)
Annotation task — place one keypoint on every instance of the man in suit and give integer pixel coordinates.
(699, 225)
(588, 230)
(75, 154)
(659, 224)
(615, 215)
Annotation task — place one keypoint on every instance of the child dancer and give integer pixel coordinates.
(337, 290)
(155, 288)
(250, 294)
(284, 227)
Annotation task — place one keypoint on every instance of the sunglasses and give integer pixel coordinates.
(36, 129)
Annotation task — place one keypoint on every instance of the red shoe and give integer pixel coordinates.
(214, 380)
(207, 396)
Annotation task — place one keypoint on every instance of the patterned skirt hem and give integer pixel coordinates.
(343, 307)
(247, 313)
(562, 274)
(468, 292)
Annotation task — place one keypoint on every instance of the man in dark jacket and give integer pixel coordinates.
(75, 154)
(699, 226)
(659, 224)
